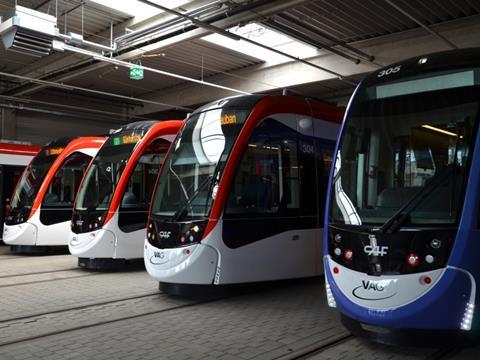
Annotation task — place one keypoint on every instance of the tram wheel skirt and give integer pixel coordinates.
(109, 264)
(426, 338)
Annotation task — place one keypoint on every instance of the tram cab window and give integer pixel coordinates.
(324, 157)
(138, 192)
(58, 200)
(267, 182)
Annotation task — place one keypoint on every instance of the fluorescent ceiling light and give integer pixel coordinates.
(138, 9)
(265, 36)
(433, 128)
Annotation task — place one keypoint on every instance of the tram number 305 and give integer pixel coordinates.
(389, 71)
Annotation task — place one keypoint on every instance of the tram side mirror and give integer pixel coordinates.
(7, 205)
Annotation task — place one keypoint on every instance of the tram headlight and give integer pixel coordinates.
(338, 238)
(348, 254)
(413, 260)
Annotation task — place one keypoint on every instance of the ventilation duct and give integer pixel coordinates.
(29, 32)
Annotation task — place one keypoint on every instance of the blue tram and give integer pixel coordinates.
(403, 241)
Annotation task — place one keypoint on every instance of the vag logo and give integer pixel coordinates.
(373, 285)
(159, 254)
(158, 258)
(164, 234)
(374, 290)
(375, 250)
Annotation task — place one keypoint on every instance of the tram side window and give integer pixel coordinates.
(138, 192)
(63, 188)
(324, 157)
(267, 182)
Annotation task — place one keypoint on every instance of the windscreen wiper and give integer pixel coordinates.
(402, 214)
(182, 212)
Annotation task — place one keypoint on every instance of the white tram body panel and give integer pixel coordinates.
(20, 234)
(297, 254)
(34, 233)
(108, 242)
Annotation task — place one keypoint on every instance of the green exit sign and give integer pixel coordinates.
(136, 73)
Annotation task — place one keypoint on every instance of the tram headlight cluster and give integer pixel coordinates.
(330, 299)
(17, 217)
(150, 232)
(191, 236)
(164, 234)
(466, 323)
(338, 251)
(83, 222)
(93, 226)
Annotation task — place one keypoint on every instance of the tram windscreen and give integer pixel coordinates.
(32, 178)
(96, 191)
(406, 146)
(64, 185)
(192, 171)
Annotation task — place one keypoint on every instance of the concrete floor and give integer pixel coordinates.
(50, 309)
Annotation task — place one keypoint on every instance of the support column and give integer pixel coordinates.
(8, 124)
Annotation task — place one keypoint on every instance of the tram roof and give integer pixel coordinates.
(138, 125)
(60, 142)
(435, 61)
(239, 102)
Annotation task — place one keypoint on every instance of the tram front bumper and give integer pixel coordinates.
(194, 264)
(94, 244)
(452, 289)
(20, 234)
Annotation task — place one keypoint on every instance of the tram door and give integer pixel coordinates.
(9, 175)
(133, 213)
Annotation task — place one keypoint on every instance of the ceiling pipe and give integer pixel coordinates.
(97, 92)
(127, 64)
(194, 21)
(433, 32)
(52, 112)
(144, 31)
(72, 107)
(225, 33)
(78, 39)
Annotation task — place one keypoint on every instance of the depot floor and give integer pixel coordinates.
(50, 309)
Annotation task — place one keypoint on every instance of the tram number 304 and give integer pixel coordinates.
(389, 71)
